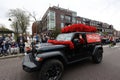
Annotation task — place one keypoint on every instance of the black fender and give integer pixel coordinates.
(53, 55)
(96, 48)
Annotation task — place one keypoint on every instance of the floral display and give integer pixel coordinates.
(69, 43)
(78, 28)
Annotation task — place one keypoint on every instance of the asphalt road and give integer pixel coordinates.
(109, 69)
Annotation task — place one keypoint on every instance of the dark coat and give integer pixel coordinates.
(6, 46)
(20, 38)
(21, 45)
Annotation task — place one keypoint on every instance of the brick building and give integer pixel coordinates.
(56, 17)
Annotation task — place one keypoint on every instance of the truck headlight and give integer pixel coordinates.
(38, 59)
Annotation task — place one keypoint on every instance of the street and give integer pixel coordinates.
(109, 69)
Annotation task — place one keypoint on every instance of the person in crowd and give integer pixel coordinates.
(27, 47)
(1, 45)
(24, 37)
(14, 47)
(9, 39)
(1, 41)
(5, 47)
(44, 38)
(20, 38)
(36, 36)
(112, 41)
(21, 46)
(33, 45)
(0, 49)
(30, 39)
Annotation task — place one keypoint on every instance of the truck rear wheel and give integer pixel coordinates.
(51, 70)
(97, 57)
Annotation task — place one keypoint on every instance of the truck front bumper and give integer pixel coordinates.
(29, 65)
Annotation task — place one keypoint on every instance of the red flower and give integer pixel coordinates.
(62, 30)
(55, 42)
(78, 28)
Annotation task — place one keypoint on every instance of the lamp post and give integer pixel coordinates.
(16, 25)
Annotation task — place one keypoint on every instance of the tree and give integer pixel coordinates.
(33, 15)
(20, 20)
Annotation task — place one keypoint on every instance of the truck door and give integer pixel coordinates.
(80, 46)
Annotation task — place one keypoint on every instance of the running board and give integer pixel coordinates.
(78, 60)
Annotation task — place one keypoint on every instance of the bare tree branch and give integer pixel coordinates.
(20, 20)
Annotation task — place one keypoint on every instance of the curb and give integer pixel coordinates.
(12, 56)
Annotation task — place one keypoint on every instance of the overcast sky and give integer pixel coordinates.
(107, 11)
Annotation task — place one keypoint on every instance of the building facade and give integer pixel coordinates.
(56, 17)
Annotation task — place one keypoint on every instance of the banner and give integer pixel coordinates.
(91, 38)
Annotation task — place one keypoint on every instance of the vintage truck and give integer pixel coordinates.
(51, 58)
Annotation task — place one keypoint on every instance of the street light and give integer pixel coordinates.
(15, 26)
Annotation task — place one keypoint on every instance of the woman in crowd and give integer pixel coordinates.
(14, 47)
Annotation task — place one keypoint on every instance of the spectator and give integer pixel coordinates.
(27, 47)
(20, 38)
(14, 47)
(33, 45)
(29, 40)
(24, 38)
(112, 42)
(21, 46)
(1, 45)
(36, 37)
(5, 47)
(44, 38)
(9, 39)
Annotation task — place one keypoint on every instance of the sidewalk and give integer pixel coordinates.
(11, 56)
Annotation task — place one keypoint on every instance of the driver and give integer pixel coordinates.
(81, 40)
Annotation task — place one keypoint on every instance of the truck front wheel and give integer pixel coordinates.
(51, 70)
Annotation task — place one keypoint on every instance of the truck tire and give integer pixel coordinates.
(51, 70)
(97, 57)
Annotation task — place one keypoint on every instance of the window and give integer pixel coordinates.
(62, 25)
(52, 15)
(74, 14)
(68, 18)
(64, 37)
(79, 21)
(73, 20)
(62, 17)
(51, 20)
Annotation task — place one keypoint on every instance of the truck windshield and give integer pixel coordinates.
(64, 37)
